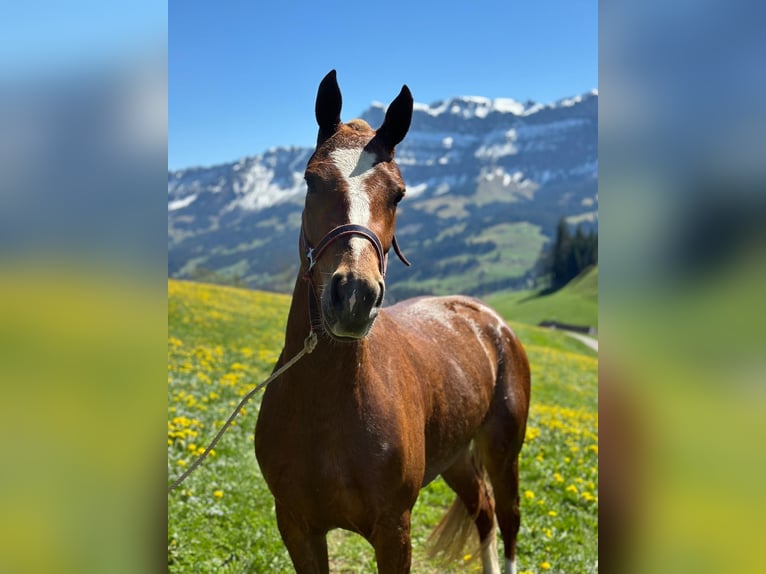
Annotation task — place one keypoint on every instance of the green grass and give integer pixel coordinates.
(575, 303)
(223, 341)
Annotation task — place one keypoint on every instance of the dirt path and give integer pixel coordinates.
(584, 339)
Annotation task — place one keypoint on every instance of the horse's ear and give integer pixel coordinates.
(397, 121)
(328, 105)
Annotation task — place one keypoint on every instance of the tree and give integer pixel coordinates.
(560, 255)
(571, 254)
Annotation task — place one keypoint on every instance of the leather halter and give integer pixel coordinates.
(314, 253)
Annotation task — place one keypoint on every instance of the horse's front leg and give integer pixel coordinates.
(392, 544)
(307, 549)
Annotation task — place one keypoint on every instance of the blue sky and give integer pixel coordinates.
(243, 75)
(46, 38)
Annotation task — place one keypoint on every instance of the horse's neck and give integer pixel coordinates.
(298, 320)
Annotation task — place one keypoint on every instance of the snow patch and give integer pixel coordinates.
(415, 190)
(508, 106)
(480, 107)
(181, 203)
(257, 190)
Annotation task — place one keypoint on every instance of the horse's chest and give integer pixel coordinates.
(330, 460)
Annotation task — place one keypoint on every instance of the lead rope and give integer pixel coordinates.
(308, 346)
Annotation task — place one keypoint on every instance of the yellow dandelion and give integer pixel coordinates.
(218, 493)
(572, 488)
(548, 533)
(529, 495)
(181, 462)
(203, 378)
(553, 513)
(558, 478)
(467, 557)
(545, 566)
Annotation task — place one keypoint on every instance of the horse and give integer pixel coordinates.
(391, 397)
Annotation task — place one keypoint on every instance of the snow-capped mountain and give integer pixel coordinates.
(487, 180)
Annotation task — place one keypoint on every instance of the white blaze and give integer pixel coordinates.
(355, 166)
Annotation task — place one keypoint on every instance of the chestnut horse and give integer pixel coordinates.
(391, 397)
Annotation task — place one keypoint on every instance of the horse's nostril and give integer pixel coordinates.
(336, 291)
(381, 292)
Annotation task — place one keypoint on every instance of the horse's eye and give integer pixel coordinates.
(398, 196)
(311, 181)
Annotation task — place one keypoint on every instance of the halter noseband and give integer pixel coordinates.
(314, 253)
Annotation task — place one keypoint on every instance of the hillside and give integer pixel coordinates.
(576, 303)
(223, 341)
(487, 181)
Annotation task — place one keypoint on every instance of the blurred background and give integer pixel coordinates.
(83, 269)
(682, 180)
(83, 160)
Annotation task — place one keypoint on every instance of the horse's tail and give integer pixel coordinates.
(449, 539)
(456, 537)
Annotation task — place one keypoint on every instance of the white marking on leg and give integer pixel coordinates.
(355, 166)
(490, 563)
(510, 566)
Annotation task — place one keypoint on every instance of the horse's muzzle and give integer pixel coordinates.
(350, 304)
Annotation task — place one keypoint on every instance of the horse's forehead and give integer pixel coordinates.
(353, 163)
(351, 149)
(357, 161)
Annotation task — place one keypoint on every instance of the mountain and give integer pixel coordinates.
(487, 181)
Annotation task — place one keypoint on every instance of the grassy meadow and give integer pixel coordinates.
(223, 341)
(576, 303)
